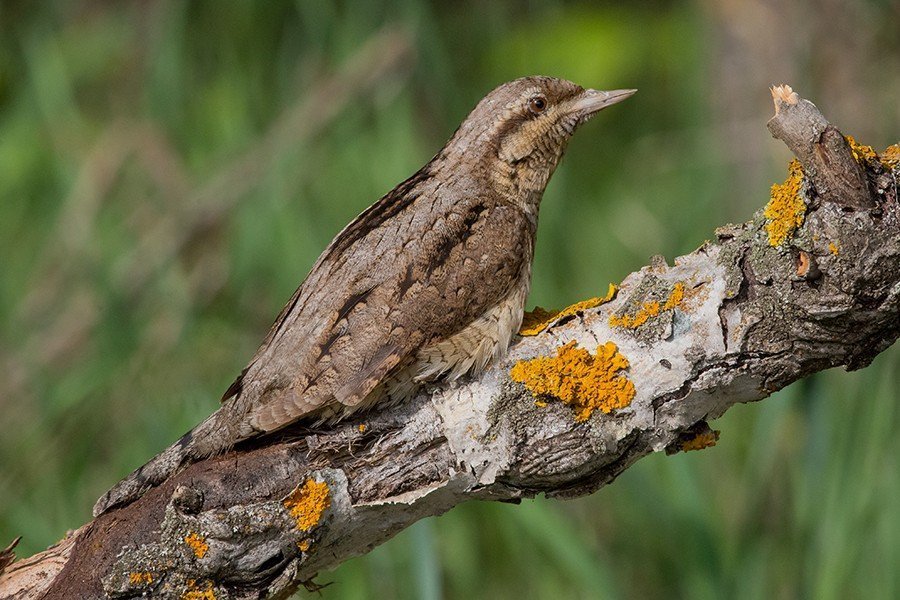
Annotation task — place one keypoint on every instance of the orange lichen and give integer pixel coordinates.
(362, 427)
(197, 543)
(675, 298)
(307, 503)
(584, 381)
(861, 153)
(864, 155)
(539, 319)
(140, 578)
(535, 321)
(890, 158)
(833, 248)
(786, 208)
(195, 593)
(649, 310)
(304, 545)
(702, 440)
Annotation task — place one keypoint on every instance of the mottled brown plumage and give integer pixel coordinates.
(428, 283)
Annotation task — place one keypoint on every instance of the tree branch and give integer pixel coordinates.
(732, 322)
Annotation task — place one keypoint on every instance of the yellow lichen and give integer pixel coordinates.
(705, 439)
(786, 209)
(197, 543)
(304, 545)
(535, 321)
(362, 427)
(649, 310)
(890, 158)
(195, 593)
(584, 381)
(540, 404)
(539, 319)
(861, 153)
(140, 578)
(833, 248)
(675, 298)
(307, 503)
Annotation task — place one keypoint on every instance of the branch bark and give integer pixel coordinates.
(751, 319)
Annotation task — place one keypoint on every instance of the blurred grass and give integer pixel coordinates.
(155, 213)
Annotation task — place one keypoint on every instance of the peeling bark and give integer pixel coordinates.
(258, 522)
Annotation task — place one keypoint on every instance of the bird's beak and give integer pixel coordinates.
(589, 102)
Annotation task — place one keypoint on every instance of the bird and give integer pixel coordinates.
(426, 285)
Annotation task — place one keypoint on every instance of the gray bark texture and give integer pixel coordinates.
(259, 522)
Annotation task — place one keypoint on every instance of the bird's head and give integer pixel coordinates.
(520, 130)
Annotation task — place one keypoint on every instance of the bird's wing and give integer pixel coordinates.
(379, 300)
(304, 303)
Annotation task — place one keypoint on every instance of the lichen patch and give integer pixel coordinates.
(307, 503)
(675, 298)
(197, 543)
(866, 155)
(890, 158)
(195, 592)
(140, 578)
(705, 439)
(649, 310)
(861, 152)
(786, 209)
(584, 381)
(539, 319)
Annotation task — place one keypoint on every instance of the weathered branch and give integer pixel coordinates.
(732, 322)
(824, 152)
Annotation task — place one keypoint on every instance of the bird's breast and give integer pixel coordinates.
(481, 342)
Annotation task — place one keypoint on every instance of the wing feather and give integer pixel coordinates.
(350, 329)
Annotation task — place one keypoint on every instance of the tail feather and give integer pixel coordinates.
(218, 433)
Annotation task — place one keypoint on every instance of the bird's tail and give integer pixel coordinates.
(217, 434)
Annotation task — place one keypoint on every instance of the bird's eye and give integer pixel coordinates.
(537, 105)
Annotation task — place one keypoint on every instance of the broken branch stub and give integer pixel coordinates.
(821, 148)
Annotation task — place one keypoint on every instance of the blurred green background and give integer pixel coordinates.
(169, 171)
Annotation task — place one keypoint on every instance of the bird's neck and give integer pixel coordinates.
(521, 184)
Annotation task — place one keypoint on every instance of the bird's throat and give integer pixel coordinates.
(522, 184)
